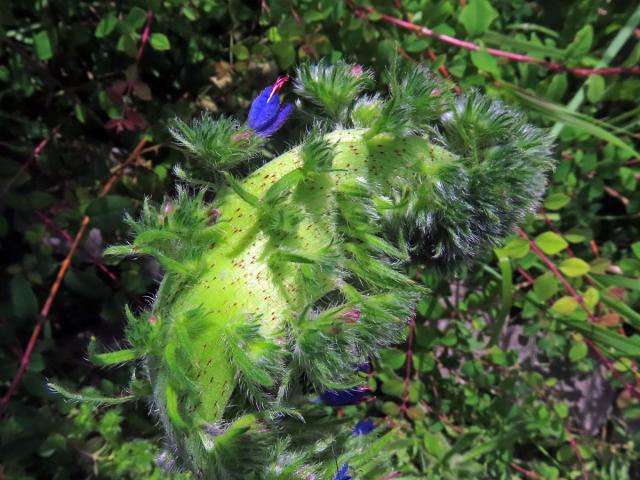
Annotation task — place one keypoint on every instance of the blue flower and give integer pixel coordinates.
(342, 473)
(363, 427)
(339, 398)
(267, 114)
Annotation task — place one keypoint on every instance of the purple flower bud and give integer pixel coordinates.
(363, 427)
(349, 396)
(165, 461)
(352, 317)
(342, 473)
(267, 114)
(357, 70)
(214, 215)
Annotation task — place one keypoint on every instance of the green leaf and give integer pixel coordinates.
(477, 15)
(516, 248)
(591, 297)
(241, 51)
(110, 358)
(551, 243)
(578, 351)
(190, 13)
(42, 42)
(574, 267)
(556, 201)
(392, 358)
(128, 43)
(79, 113)
(565, 305)
(581, 43)
(273, 35)
(561, 408)
(595, 88)
(159, 41)
(134, 20)
(23, 300)
(557, 87)
(635, 248)
(106, 25)
(285, 52)
(545, 286)
(485, 62)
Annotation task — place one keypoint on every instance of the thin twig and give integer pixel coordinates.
(615, 194)
(53, 292)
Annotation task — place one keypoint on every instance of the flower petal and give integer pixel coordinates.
(363, 427)
(264, 110)
(339, 398)
(279, 120)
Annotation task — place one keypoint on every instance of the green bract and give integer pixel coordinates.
(293, 275)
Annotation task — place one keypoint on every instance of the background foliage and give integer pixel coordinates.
(525, 367)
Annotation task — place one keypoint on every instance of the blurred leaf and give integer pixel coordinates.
(574, 267)
(595, 88)
(159, 41)
(565, 305)
(23, 300)
(558, 87)
(516, 248)
(106, 25)
(485, 62)
(581, 43)
(134, 20)
(578, 351)
(44, 48)
(545, 286)
(551, 243)
(557, 200)
(477, 15)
